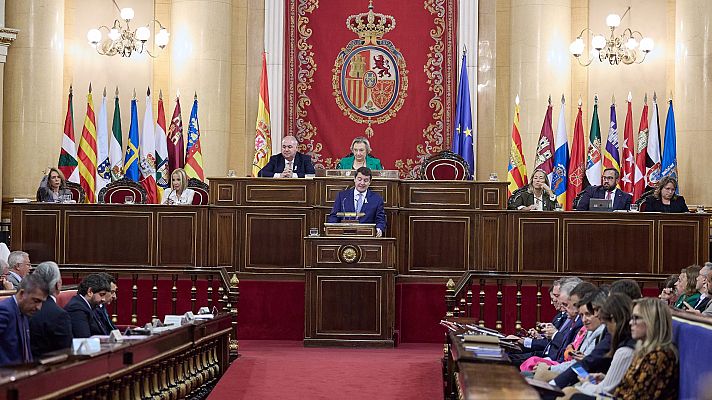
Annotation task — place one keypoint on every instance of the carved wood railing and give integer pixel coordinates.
(144, 288)
(482, 295)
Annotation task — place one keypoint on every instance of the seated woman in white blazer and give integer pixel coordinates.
(178, 192)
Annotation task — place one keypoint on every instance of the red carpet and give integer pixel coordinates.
(287, 370)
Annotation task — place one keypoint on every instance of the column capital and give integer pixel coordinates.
(7, 36)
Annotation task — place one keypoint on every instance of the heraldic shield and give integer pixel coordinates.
(370, 78)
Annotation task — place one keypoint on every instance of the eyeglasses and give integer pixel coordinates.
(635, 318)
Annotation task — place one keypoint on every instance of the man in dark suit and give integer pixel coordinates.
(15, 344)
(621, 199)
(19, 262)
(51, 327)
(289, 163)
(102, 311)
(361, 200)
(91, 292)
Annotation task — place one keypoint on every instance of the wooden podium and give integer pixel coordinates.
(350, 291)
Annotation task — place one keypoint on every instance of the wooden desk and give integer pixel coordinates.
(492, 382)
(350, 291)
(170, 365)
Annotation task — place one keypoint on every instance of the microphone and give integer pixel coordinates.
(343, 205)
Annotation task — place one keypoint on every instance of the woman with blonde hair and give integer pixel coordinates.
(53, 187)
(178, 192)
(360, 156)
(687, 287)
(538, 195)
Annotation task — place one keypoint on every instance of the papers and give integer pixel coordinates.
(21, 200)
(486, 351)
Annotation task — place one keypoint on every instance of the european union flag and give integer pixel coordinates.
(131, 170)
(463, 137)
(669, 163)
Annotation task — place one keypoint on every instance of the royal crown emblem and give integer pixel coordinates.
(370, 79)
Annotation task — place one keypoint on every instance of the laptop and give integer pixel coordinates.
(600, 205)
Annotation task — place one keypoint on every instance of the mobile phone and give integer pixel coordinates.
(580, 371)
(689, 307)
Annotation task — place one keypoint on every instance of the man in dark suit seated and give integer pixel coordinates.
(361, 200)
(51, 327)
(102, 311)
(621, 199)
(289, 163)
(15, 344)
(90, 294)
(20, 265)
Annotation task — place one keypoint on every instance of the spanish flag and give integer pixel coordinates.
(87, 152)
(263, 135)
(517, 169)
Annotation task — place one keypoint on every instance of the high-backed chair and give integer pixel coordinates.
(643, 198)
(445, 165)
(65, 296)
(201, 190)
(78, 193)
(577, 199)
(516, 194)
(116, 192)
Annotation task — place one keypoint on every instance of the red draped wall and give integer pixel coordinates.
(413, 96)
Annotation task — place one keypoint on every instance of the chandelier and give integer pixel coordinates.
(626, 48)
(121, 40)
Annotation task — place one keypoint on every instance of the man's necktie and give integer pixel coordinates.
(608, 195)
(288, 167)
(359, 202)
(25, 337)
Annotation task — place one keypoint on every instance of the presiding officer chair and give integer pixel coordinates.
(445, 165)
(201, 190)
(116, 192)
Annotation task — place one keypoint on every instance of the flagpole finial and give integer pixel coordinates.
(134, 94)
(516, 100)
(645, 99)
(71, 89)
(580, 102)
(104, 91)
(670, 98)
(595, 99)
(549, 100)
(160, 94)
(464, 49)
(563, 99)
(177, 94)
(613, 99)
(116, 92)
(195, 96)
(148, 91)
(655, 96)
(89, 87)
(630, 97)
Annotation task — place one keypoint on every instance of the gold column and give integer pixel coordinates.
(540, 65)
(33, 98)
(200, 62)
(692, 99)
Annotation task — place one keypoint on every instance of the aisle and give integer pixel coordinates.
(286, 370)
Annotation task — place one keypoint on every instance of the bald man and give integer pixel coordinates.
(289, 163)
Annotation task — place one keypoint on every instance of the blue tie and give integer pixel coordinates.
(359, 202)
(25, 336)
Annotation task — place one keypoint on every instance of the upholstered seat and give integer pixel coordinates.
(116, 192)
(577, 199)
(64, 297)
(643, 198)
(201, 189)
(515, 194)
(445, 165)
(78, 193)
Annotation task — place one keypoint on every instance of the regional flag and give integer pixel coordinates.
(263, 134)
(577, 165)
(559, 178)
(68, 153)
(611, 154)
(545, 147)
(193, 154)
(593, 156)
(652, 159)
(103, 172)
(669, 163)
(131, 170)
(176, 147)
(641, 152)
(462, 141)
(147, 153)
(87, 153)
(116, 148)
(517, 168)
(162, 174)
(628, 161)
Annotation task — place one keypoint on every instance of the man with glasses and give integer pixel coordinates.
(19, 262)
(621, 200)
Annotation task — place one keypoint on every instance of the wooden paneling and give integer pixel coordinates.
(274, 240)
(224, 237)
(38, 232)
(492, 240)
(336, 297)
(539, 245)
(675, 249)
(180, 238)
(437, 243)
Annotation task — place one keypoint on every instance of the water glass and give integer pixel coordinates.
(128, 200)
(66, 198)
(701, 208)
(313, 231)
(231, 173)
(558, 207)
(493, 177)
(634, 207)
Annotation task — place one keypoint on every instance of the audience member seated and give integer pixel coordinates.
(593, 331)
(621, 199)
(5, 284)
(53, 188)
(654, 371)
(573, 342)
(288, 164)
(665, 198)
(687, 287)
(361, 200)
(669, 292)
(178, 192)
(102, 311)
(616, 314)
(90, 294)
(537, 196)
(360, 156)
(50, 327)
(20, 265)
(628, 287)
(15, 346)
(702, 285)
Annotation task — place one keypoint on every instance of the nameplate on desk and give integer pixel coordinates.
(177, 320)
(86, 345)
(349, 229)
(382, 173)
